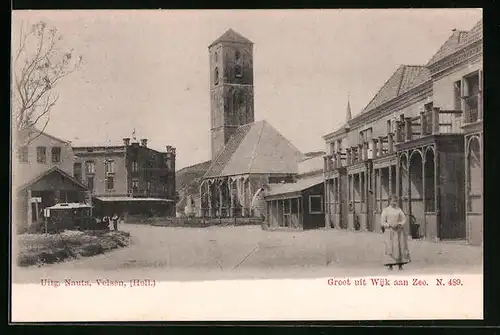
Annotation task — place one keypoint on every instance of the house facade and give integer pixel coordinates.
(38, 152)
(126, 176)
(457, 76)
(42, 172)
(420, 138)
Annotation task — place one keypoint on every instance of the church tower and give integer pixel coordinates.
(231, 87)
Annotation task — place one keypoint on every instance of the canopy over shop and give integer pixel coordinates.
(132, 207)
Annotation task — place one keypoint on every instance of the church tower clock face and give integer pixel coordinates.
(231, 87)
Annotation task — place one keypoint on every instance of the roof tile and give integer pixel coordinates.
(255, 148)
(299, 185)
(458, 40)
(405, 78)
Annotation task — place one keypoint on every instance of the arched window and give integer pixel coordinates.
(241, 101)
(216, 76)
(238, 69)
(216, 57)
(242, 107)
(236, 102)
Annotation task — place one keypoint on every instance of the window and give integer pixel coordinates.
(23, 154)
(216, 57)
(365, 136)
(90, 182)
(471, 93)
(135, 186)
(390, 126)
(77, 171)
(56, 154)
(472, 84)
(279, 180)
(110, 183)
(241, 100)
(238, 69)
(109, 167)
(90, 167)
(236, 100)
(315, 204)
(135, 166)
(216, 76)
(457, 94)
(149, 186)
(332, 148)
(428, 106)
(41, 155)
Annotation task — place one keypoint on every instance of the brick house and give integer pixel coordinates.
(130, 179)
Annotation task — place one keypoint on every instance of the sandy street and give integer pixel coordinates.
(249, 252)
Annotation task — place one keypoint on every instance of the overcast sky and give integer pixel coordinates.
(149, 69)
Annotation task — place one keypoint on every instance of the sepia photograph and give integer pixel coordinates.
(194, 165)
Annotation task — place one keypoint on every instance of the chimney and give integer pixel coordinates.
(144, 142)
(126, 141)
(170, 149)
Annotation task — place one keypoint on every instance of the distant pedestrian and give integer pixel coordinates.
(396, 243)
(105, 221)
(114, 219)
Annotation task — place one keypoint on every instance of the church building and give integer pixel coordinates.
(247, 156)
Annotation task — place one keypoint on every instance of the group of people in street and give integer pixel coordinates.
(111, 219)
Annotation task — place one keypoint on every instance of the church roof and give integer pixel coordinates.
(405, 78)
(457, 41)
(232, 37)
(255, 148)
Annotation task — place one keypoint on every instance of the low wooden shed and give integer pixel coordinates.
(298, 205)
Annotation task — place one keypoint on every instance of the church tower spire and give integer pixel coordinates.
(348, 115)
(231, 87)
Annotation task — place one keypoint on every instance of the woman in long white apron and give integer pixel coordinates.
(396, 242)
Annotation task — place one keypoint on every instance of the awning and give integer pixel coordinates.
(130, 199)
(69, 206)
(280, 190)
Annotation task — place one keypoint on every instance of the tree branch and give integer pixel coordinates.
(41, 71)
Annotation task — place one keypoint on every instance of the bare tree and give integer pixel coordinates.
(38, 65)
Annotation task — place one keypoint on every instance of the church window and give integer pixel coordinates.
(238, 70)
(235, 104)
(241, 101)
(216, 57)
(216, 76)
